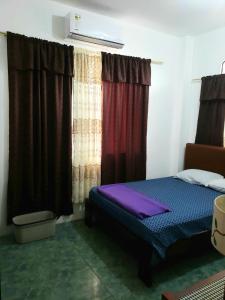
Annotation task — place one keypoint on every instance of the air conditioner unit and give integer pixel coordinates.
(93, 28)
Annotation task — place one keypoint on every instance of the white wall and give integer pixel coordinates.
(44, 19)
(209, 53)
(205, 54)
(4, 131)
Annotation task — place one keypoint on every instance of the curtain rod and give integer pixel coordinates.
(221, 72)
(156, 62)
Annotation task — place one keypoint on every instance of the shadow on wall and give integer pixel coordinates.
(58, 27)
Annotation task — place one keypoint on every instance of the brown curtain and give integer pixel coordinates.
(126, 83)
(40, 90)
(210, 129)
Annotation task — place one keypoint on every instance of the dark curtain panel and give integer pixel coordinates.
(211, 117)
(40, 89)
(126, 83)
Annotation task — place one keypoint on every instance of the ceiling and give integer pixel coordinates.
(178, 17)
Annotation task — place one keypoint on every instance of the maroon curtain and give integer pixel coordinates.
(210, 129)
(40, 88)
(126, 83)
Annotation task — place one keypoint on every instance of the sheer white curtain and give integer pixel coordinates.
(87, 123)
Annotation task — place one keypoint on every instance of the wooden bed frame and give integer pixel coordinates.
(203, 157)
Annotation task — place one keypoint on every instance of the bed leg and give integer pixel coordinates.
(144, 265)
(89, 215)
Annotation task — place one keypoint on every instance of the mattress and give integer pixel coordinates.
(191, 211)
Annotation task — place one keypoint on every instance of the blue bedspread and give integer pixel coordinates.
(191, 211)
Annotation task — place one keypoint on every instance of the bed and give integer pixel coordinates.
(190, 216)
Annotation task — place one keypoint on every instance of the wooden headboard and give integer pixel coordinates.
(205, 157)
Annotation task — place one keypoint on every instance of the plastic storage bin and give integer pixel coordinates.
(34, 226)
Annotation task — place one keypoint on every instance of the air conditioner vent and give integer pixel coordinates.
(93, 28)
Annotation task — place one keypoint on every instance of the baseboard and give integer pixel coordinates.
(78, 214)
(6, 230)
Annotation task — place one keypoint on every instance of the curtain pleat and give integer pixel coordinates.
(127, 69)
(125, 109)
(40, 160)
(210, 128)
(87, 123)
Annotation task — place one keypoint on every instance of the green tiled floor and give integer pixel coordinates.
(82, 263)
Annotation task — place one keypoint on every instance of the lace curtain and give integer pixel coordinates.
(87, 123)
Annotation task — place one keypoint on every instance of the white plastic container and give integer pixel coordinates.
(34, 226)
